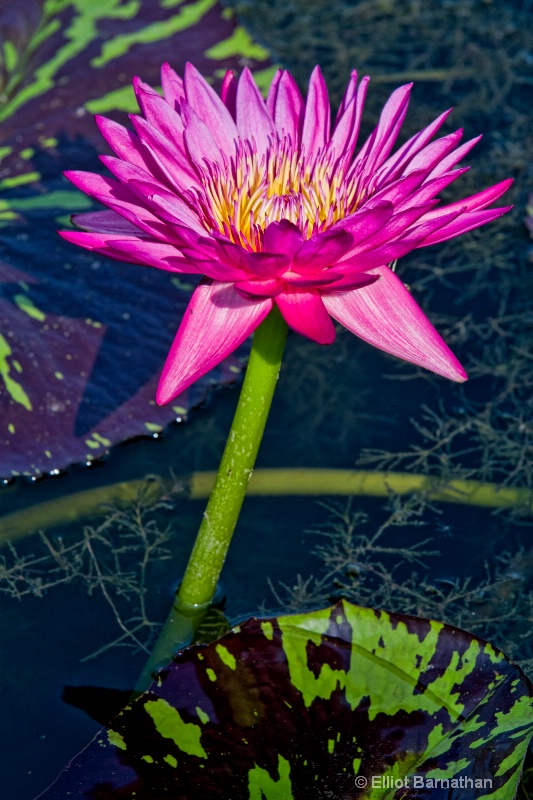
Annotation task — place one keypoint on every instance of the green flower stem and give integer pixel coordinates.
(220, 517)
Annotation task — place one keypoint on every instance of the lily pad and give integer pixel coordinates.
(83, 339)
(342, 703)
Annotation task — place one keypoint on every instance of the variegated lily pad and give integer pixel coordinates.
(82, 340)
(342, 703)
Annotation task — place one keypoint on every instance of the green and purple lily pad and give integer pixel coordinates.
(342, 703)
(82, 345)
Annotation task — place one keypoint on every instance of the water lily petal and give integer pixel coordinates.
(126, 144)
(266, 288)
(346, 131)
(317, 117)
(454, 157)
(395, 225)
(132, 250)
(217, 320)
(201, 145)
(288, 108)
(394, 165)
(433, 153)
(253, 120)
(282, 237)
(270, 101)
(381, 141)
(465, 222)
(106, 222)
(120, 199)
(385, 315)
(203, 99)
(321, 251)
(476, 201)
(385, 254)
(348, 96)
(228, 93)
(167, 205)
(266, 265)
(169, 156)
(430, 189)
(365, 223)
(399, 190)
(173, 88)
(159, 112)
(304, 311)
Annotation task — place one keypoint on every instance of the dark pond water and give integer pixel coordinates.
(337, 407)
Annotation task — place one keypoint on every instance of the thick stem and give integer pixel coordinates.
(220, 517)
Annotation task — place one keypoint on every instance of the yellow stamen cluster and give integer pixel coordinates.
(244, 195)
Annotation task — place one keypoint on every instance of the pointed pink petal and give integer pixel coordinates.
(428, 227)
(385, 315)
(203, 99)
(476, 201)
(159, 112)
(394, 165)
(252, 289)
(233, 255)
(463, 223)
(228, 93)
(127, 172)
(397, 225)
(330, 281)
(365, 223)
(273, 92)
(398, 191)
(430, 189)
(379, 144)
(201, 145)
(170, 156)
(346, 131)
(304, 311)
(253, 120)
(167, 206)
(133, 251)
(433, 153)
(288, 108)
(124, 143)
(172, 84)
(106, 222)
(453, 158)
(266, 265)
(353, 280)
(119, 198)
(216, 321)
(153, 254)
(316, 125)
(375, 258)
(154, 195)
(282, 237)
(321, 251)
(348, 96)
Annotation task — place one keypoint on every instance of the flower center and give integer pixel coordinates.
(246, 193)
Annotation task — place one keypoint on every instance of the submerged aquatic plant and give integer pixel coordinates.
(273, 208)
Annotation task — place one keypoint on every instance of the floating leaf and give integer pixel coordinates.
(315, 705)
(82, 340)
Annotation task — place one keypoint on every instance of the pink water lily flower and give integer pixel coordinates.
(273, 207)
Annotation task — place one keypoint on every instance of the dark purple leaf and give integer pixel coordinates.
(315, 705)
